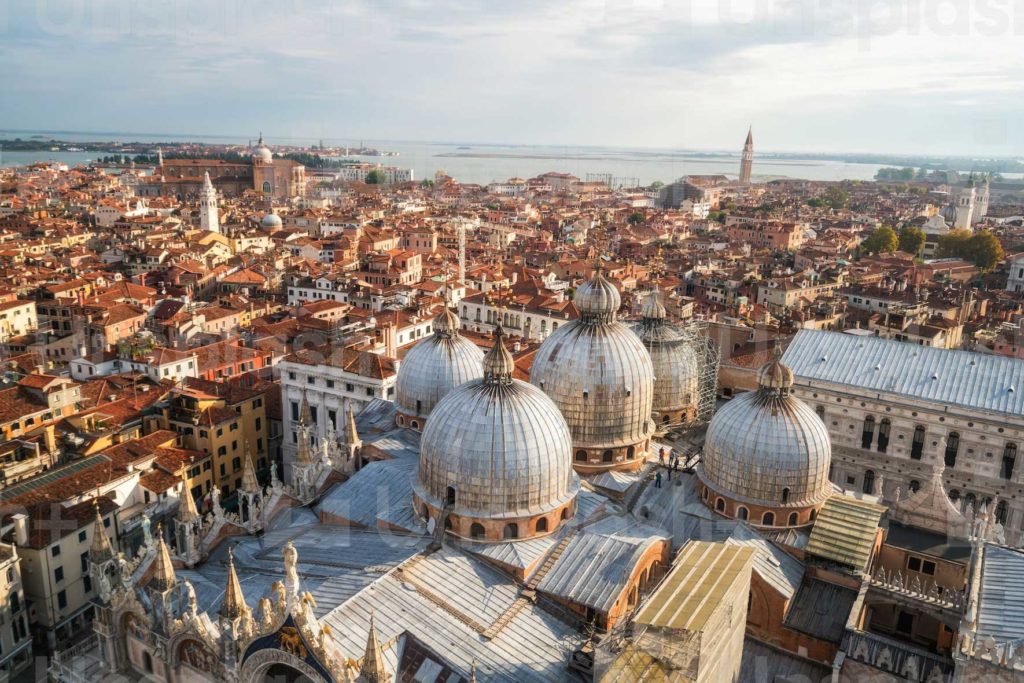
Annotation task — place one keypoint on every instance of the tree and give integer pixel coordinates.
(882, 241)
(911, 239)
(954, 244)
(635, 218)
(836, 198)
(984, 250)
(816, 202)
(375, 177)
(426, 182)
(657, 185)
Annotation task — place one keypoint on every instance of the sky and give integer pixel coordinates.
(941, 77)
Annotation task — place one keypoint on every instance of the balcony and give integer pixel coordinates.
(906, 589)
(80, 663)
(886, 654)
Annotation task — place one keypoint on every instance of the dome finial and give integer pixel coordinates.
(498, 363)
(775, 376)
(653, 308)
(597, 299)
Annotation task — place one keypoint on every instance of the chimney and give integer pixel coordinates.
(20, 529)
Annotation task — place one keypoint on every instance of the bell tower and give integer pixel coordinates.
(747, 157)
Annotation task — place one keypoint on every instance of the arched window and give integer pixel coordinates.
(952, 447)
(581, 456)
(542, 525)
(477, 530)
(915, 485)
(954, 495)
(1009, 460)
(1001, 510)
(868, 435)
(785, 495)
(511, 530)
(565, 514)
(742, 513)
(820, 410)
(415, 424)
(720, 505)
(883, 434)
(606, 456)
(869, 482)
(630, 452)
(266, 186)
(917, 446)
(450, 495)
(768, 519)
(814, 515)
(793, 517)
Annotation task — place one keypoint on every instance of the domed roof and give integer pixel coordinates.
(949, 214)
(598, 373)
(435, 366)
(597, 298)
(262, 153)
(768, 447)
(676, 370)
(271, 220)
(501, 443)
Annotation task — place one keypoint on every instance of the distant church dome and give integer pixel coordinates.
(497, 455)
(271, 220)
(949, 214)
(433, 367)
(676, 370)
(262, 153)
(767, 454)
(600, 376)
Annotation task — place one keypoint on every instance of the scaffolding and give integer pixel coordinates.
(708, 358)
(614, 182)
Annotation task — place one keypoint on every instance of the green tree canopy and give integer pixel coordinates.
(985, 250)
(836, 198)
(635, 218)
(911, 239)
(375, 177)
(882, 240)
(953, 244)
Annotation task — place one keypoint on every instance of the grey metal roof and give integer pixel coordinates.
(1001, 598)
(821, 609)
(764, 664)
(595, 566)
(946, 377)
(778, 568)
(379, 490)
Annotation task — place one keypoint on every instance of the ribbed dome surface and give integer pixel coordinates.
(271, 220)
(762, 442)
(676, 372)
(504, 447)
(435, 366)
(597, 298)
(600, 376)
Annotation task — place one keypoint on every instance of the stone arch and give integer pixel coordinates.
(256, 667)
(476, 530)
(794, 518)
(768, 519)
(581, 456)
(542, 525)
(742, 513)
(719, 504)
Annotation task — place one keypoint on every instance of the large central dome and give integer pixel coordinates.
(767, 455)
(434, 367)
(496, 455)
(600, 376)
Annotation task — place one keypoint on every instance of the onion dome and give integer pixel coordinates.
(767, 448)
(433, 367)
(597, 299)
(497, 449)
(949, 214)
(676, 369)
(262, 153)
(600, 376)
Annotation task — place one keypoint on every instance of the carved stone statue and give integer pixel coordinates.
(147, 533)
(291, 567)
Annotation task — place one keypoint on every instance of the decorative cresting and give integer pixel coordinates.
(495, 458)
(766, 455)
(432, 368)
(676, 371)
(600, 376)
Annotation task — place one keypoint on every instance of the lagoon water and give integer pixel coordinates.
(479, 163)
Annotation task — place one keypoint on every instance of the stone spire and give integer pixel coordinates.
(747, 157)
(302, 455)
(498, 363)
(233, 605)
(163, 578)
(187, 512)
(351, 435)
(100, 549)
(209, 216)
(305, 414)
(250, 484)
(372, 668)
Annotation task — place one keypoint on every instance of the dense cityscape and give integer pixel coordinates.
(270, 421)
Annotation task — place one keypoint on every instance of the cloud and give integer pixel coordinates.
(810, 74)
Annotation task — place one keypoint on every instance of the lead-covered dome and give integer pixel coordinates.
(767, 452)
(262, 153)
(496, 455)
(600, 376)
(676, 370)
(433, 367)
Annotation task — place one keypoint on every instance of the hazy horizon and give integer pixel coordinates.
(812, 76)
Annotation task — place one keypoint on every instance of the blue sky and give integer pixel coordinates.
(929, 76)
